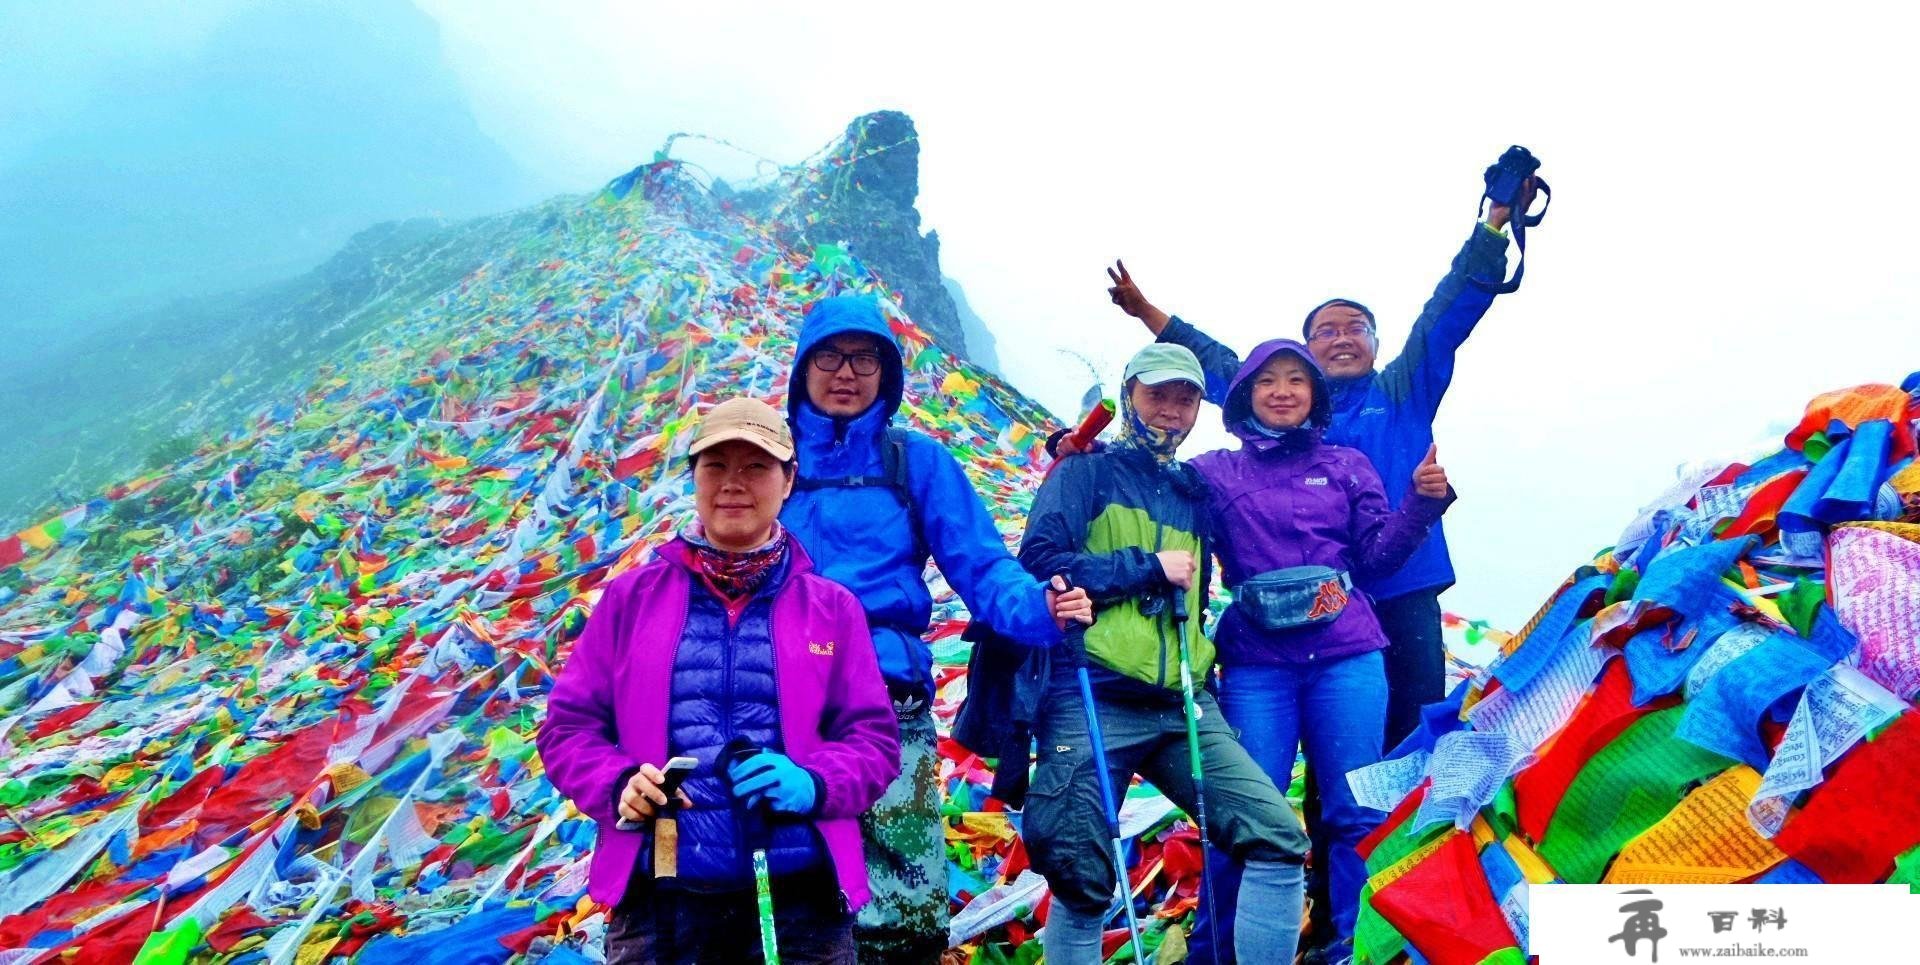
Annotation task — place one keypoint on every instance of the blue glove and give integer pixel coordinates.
(774, 780)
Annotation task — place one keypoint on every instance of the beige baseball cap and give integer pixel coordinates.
(747, 420)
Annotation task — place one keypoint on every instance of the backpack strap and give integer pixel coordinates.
(893, 458)
(893, 476)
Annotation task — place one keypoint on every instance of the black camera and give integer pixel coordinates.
(1507, 185)
(1507, 180)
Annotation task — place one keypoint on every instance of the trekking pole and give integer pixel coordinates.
(1112, 812)
(739, 750)
(1193, 761)
(763, 901)
(1098, 418)
(1081, 437)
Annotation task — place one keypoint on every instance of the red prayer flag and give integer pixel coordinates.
(11, 551)
(1865, 814)
(1445, 908)
(1606, 713)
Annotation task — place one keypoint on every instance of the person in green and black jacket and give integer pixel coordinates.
(1129, 525)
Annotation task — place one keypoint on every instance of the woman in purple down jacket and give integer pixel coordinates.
(726, 648)
(1297, 521)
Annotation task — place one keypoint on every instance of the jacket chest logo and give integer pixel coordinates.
(1316, 480)
(820, 649)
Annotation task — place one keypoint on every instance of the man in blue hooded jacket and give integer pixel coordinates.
(872, 502)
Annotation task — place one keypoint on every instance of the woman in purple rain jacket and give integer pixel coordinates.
(729, 649)
(1296, 522)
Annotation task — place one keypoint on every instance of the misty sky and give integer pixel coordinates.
(1731, 232)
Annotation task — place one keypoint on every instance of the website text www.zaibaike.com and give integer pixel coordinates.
(1747, 950)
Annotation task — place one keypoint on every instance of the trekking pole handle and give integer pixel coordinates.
(1071, 642)
(1098, 418)
(1179, 605)
(671, 777)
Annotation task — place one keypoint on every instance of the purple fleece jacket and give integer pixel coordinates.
(608, 711)
(1297, 501)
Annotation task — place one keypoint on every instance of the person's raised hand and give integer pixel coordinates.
(1499, 215)
(1430, 478)
(1127, 295)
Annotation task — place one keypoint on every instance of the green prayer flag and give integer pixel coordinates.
(1624, 789)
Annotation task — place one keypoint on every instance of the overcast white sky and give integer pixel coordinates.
(1732, 231)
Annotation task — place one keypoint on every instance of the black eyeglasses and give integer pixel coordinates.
(828, 360)
(1332, 332)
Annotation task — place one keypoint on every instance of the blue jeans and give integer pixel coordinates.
(1339, 708)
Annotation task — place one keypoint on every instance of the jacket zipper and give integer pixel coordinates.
(779, 732)
(734, 810)
(838, 446)
(673, 658)
(1160, 621)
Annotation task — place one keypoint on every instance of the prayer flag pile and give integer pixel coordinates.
(1723, 696)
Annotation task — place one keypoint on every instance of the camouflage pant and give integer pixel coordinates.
(906, 921)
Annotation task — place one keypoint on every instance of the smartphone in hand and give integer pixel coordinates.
(673, 774)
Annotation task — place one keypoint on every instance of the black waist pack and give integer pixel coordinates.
(1297, 596)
